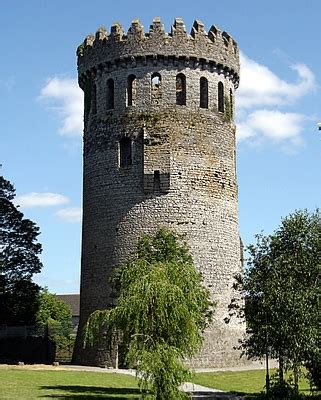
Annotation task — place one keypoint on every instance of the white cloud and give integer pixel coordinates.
(69, 98)
(72, 214)
(272, 124)
(262, 102)
(35, 199)
(8, 83)
(259, 86)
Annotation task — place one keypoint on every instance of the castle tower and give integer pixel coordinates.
(159, 150)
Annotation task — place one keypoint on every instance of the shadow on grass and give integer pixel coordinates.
(247, 396)
(77, 392)
(225, 395)
(264, 396)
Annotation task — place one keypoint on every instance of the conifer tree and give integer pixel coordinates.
(19, 261)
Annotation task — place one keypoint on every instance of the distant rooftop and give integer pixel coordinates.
(73, 300)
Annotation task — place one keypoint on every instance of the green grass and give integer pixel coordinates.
(33, 384)
(242, 382)
(25, 384)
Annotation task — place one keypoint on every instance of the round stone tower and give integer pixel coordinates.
(159, 151)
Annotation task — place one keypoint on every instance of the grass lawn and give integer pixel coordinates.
(243, 382)
(35, 384)
(25, 384)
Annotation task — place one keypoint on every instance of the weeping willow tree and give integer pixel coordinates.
(162, 309)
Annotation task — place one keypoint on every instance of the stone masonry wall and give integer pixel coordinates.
(188, 150)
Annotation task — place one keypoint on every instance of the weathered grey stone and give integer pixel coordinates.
(181, 171)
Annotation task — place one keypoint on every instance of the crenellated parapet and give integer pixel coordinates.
(214, 50)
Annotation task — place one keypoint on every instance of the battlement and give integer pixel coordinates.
(215, 49)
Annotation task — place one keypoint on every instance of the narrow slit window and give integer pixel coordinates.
(125, 152)
(94, 100)
(220, 93)
(110, 94)
(203, 93)
(87, 100)
(156, 87)
(131, 90)
(156, 181)
(156, 81)
(231, 103)
(181, 90)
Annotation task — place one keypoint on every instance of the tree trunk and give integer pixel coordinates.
(296, 378)
(267, 376)
(281, 369)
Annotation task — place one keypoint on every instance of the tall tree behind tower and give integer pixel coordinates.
(19, 261)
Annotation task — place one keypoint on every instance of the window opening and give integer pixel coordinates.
(131, 90)
(156, 181)
(156, 81)
(181, 90)
(156, 87)
(220, 97)
(87, 99)
(231, 103)
(94, 100)
(125, 152)
(203, 93)
(110, 94)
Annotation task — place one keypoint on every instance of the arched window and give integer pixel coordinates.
(220, 97)
(156, 87)
(181, 89)
(231, 103)
(94, 100)
(110, 94)
(156, 81)
(87, 99)
(125, 146)
(203, 92)
(131, 90)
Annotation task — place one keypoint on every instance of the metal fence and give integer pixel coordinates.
(21, 331)
(25, 338)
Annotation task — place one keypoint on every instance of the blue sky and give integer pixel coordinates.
(278, 107)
